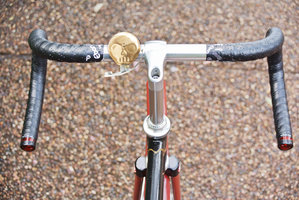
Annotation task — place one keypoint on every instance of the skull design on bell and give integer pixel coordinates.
(124, 51)
(124, 48)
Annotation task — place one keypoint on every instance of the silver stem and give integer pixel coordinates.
(155, 53)
(156, 102)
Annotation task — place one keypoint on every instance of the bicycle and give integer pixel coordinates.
(154, 171)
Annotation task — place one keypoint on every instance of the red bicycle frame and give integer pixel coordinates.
(166, 186)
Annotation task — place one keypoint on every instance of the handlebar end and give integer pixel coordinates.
(28, 144)
(285, 143)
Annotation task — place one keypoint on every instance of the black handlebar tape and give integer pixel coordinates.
(64, 52)
(247, 50)
(42, 49)
(279, 102)
(271, 47)
(35, 102)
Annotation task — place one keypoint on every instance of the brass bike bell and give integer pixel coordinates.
(124, 48)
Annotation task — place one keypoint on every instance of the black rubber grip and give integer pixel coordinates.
(34, 104)
(279, 102)
(64, 52)
(270, 47)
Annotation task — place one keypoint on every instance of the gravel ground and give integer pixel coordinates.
(91, 128)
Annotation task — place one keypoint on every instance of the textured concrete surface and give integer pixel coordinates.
(91, 128)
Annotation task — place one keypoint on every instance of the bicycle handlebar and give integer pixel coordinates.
(270, 47)
(247, 50)
(63, 52)
(35, 103)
